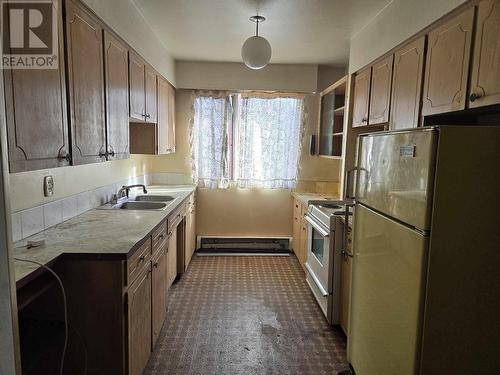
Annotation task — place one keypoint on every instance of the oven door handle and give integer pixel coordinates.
(322, 290)
(315, 225)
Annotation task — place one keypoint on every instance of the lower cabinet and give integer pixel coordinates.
(159, 290)
(190, 230)
(172, 256)
(139, 322)
(299, 232)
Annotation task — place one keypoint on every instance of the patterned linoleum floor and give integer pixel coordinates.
(246, 315)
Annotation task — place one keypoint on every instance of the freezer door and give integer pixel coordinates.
(395, 174)
(387, 295)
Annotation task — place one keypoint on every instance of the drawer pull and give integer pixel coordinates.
(155, 265)
(161, 236)
(141, 259)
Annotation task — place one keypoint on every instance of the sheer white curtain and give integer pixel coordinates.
(211, 125)
(268, 141)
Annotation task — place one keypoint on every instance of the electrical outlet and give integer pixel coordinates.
(48, 186)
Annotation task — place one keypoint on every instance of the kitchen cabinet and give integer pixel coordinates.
(345, 284)
(447, 65)
(143, 95)
(166, 117)
(331, 119)
(407, 85)
(300, 232)
(117, 98)
(159, 274)
(85, 85)
(137, 87)
(151, 95)
(139, 322)
(172, 256)
(380, 91)
(485, 73)
(190, 230)
(361, 101)
(37, 128)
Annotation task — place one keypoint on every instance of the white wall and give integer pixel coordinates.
(398, 21)
(236, 76)
(126, 20)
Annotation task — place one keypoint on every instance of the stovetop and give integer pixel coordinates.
(324, 212)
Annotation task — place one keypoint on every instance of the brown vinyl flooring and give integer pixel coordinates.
(246, 315)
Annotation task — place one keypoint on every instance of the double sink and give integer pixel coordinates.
(146, 202)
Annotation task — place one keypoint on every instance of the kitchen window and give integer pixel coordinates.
(246, 139)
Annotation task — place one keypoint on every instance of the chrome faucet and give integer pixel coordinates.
(127, 188)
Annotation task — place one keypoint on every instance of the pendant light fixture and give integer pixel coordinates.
(256, 51)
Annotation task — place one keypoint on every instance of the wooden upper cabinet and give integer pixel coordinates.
(447, 65)
(117, 97)
(137, 87)
(151, 95)
(362, 82)
(407, 85)
(86, 85)
(166, 117)
(36, 115)
(485, 78)
(380, 92)
(139, 322)
(171, 119)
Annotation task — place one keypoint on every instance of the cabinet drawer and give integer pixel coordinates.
(138, 260)
(159, 237)
(297, 208)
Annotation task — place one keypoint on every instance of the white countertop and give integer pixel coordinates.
(97, 232)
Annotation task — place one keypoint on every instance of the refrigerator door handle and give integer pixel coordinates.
(348, 174)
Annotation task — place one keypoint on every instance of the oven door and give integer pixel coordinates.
(318, 254)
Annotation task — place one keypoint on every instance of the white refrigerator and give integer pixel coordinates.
(426, 268)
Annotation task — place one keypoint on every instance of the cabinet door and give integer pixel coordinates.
(117, 105)
(407, 85)
(159, 293)
(86, 85)
(447, 65)
(485, 79)
(137, 86)
(139, 323)
(163, 111)
(380, 92)
(151, 95)
(171, 119)
(38, 137)
(172, 256)
(362, 82)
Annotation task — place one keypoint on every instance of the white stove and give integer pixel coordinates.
(326, 240)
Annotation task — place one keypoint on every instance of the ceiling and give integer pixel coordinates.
(300, 31)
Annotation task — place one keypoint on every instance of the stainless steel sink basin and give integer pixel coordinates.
(143, 206)
(154, 198)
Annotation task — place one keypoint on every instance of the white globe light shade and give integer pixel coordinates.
(256, 52)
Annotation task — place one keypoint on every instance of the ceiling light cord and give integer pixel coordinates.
(63, 355)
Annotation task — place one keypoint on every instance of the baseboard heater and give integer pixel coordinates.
(244, 246)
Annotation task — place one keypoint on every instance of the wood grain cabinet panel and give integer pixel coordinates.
(447, 65)
(166, 117)
(117, 97)
(362, 81)
(485, 78)
(159, 290)
(151, 95)
(36, 115)
(139, 322)
(171, 119)
(86, 85)
(380, 92)
(407, 85)
(137, 86)
(172, 256)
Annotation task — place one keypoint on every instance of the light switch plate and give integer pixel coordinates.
(48, 186)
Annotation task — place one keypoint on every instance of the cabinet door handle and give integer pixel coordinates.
(147, 115)
(161, 236)
(65, 156)
(155, 265)
(141, 259)
(473, 97)
(364, 119)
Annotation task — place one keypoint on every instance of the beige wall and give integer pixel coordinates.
(247, 212)
(26, 188)
(236, 76)
(398, 21)
(124, 18)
